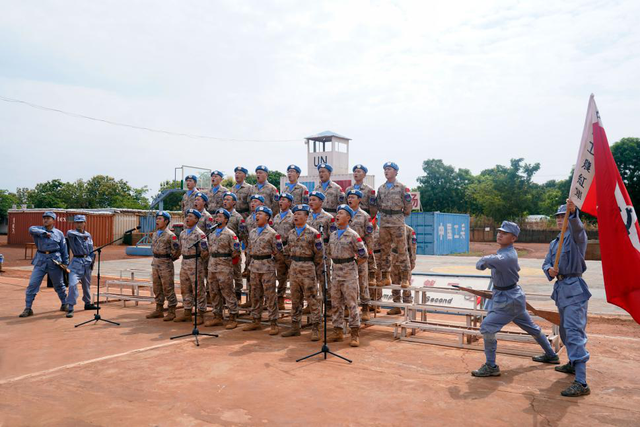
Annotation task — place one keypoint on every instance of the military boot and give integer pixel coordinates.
(281, 303)
(566, 369)
(184, 317)
(487, 371)
(386, 279)
(315, 332)
(26, 313)
(216, 321)
(232, 323)
(365, 313)
(274, 330)
(200, 319)
(157, 313)
(336, 335)
(293, 332)
(253, 326)
(576, 389)
(171, 314)
(405, 282)
(355, 337)
(394, 311)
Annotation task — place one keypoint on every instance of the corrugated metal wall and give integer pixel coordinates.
(124, 221)
(440, 233)
(100, 225)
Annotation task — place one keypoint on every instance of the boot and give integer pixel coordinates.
(293, 332)
(216, 321)
(405, 283)
(157, 314)
(232, 323)
(171, 314)
(26, 313)
(394, 310)
(281, 303)
(365, 313)
(386, 279)
(200, 319)
(336, 335)
(315, 332)
(253, 326)
(355, 337)
(184, 317)
(274, 330)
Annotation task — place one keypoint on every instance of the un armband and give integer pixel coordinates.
(332, 227)
(369, 228)
(341, 198)
(407, 197)
(361, 252)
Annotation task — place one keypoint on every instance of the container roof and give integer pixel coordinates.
(326, 136)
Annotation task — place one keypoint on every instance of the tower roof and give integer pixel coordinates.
(326, 136)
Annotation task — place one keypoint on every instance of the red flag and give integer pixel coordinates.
(617, 227)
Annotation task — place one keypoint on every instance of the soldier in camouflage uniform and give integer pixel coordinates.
(224, 251)
(361, 224)
(304, 252)
(267, 190)
(332, 191)
(325, 224)
(376, 295)
(394, 203)
(396, 274)
(243, 191)
(229, 203)
(368, 201)
(199, 204)
(345, 246)
(246, 225)
(264, 245)
(189, 197)
(166, 249)
(192, 235)
(299, 192)
(283, 224)
(216, 192)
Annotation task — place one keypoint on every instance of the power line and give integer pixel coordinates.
(110, 122)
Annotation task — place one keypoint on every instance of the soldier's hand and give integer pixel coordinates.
(552, 272)
(571, 207)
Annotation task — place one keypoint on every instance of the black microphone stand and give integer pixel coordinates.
(195, 332)
(325, 348)
(96, 317)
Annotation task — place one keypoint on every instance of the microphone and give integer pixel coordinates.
(132, 230)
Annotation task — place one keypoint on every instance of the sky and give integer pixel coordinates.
(472, 83)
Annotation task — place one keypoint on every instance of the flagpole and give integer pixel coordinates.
(565, 221)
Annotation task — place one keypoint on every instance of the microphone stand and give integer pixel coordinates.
(96, 317)
(325, 348)
(195, 332)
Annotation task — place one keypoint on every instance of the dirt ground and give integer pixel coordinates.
(54, 374)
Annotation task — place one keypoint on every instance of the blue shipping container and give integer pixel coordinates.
(440, 233)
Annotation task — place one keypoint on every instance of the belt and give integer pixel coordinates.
(162, 255)
(302, 258)
(390, 211)
(242, 210)
(505, 288)
(377, 251)
(220, 255)
(331, 210)
(559, 276)
(342, 260)
(48, 252)
(259, 257)
(189, 256)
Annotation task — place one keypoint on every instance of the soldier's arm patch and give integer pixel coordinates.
(176, 245)
(407, 196)
(369, 229)
(341, 197)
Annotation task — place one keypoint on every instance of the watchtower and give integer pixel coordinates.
(328, 147)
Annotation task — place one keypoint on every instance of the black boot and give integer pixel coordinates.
(545, 358)
(26, 313)
(576, 389)
(89, 306)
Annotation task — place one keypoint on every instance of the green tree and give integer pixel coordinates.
(172, 201)
(505, 192)
(443, 188)
(7, 200)
(105, 192)
(47, 195)
(273, 178)
(626, 153)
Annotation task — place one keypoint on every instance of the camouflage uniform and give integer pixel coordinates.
(166, 250)
(376, 295)
(188, 200)
(283, 225)
(262, 249)
(396, 275)
(328, 226)
(234, 225)
(361, 224)
(333, 196)
(270, 194)
(205, 223)
(344, 283)
(244, 193)
(188, 269)
(393, 205)
(299, 192)
(304, 252)
(368, 201)
(216, 197)
(224, 247)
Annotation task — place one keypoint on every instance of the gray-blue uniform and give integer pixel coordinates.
(81, 245)
(49, 249)
(508, 303)
(570, 292)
